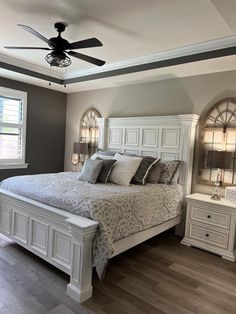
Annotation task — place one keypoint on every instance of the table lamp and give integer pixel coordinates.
(219, 160)
(78, 150)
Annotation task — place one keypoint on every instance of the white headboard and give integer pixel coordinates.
(166, 137)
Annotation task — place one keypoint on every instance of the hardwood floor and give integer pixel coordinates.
(159, 276)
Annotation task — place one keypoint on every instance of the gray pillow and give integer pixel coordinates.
(91, 170)
(107, 166)
(144, 168)
(168, 171)
(106, 152)
(155, 173)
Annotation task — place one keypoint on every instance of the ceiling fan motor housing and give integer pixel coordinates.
(60, 26)
(59, 44)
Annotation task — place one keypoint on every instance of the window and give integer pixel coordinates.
(13, 106)
(89, 131)
(218, 133)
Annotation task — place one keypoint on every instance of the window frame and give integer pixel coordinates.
(17, 162)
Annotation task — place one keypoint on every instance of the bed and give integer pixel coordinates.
(62, 223)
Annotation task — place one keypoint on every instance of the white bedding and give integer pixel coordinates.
(120, 211)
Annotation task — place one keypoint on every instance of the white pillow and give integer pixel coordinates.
(124, 170)
(94, 156)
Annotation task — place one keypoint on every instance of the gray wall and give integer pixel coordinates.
(45, 141)
(174, 96)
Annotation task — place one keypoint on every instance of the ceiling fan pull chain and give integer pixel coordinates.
(65, 78)
(49, 83)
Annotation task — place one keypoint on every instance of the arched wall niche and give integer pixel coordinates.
(218, 133)
(89, 131)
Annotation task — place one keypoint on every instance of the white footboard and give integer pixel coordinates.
(61, 238)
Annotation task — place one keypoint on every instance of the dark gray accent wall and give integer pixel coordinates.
(45, 139)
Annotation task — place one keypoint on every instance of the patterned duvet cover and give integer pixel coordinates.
(120, 210)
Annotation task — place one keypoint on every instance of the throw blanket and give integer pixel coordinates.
(120, 211)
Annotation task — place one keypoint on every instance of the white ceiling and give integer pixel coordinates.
(127, 28)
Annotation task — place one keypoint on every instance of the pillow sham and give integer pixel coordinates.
(175, 179)
(97, 155)
(91, 170)
(124, 170)
(107, 152)
(107, 166)
(144, 168)
(168, 171)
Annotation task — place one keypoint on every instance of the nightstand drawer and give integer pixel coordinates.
(213, 237)
(210, 217)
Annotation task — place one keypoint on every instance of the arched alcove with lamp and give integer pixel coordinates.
(218, 144)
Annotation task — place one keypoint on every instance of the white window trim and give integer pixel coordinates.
(16, 163)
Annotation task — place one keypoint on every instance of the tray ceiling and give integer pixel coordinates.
(129, 30)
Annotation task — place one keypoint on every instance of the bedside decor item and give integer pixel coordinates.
(219, 160)
(230, 193)
(210, 225)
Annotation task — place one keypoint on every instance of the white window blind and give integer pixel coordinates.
(12, 126)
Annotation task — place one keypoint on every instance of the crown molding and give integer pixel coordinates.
(29, 66)
(220, 43)
(202, 51)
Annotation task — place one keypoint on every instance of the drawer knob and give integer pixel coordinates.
(207, 234)
(209, 216)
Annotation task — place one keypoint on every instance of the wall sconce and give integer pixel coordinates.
(219, 160)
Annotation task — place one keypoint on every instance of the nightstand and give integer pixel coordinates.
(211, 225)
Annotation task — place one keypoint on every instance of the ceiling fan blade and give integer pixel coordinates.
(34, 32)
(36, 48)
(86, 58)
(86, 43)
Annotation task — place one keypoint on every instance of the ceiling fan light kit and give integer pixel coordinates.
(60, 47)
(58, 60)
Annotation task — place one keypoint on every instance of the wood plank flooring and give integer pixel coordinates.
(156, 277)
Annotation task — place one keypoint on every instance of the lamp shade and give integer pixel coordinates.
(80, 148)
(219, 159)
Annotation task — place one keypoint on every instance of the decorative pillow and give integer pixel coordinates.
(168, 171)
(155, 173)
(145, 166)
(124, 170)
(107, 152)
(91, 170)
(97, 155)
(107, 166)
(175, 179)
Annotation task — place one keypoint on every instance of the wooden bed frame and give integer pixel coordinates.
(65, 239)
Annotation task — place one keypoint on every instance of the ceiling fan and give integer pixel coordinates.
(61, 48)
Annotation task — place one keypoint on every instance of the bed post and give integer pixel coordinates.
(80, 286)
(103, 133)
(188, 127)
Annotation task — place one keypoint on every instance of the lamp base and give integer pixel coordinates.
(216, 192)
(215, 197)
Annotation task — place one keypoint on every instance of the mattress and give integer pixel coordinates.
(120, 210)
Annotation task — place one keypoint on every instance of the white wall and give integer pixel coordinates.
(174, 96)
